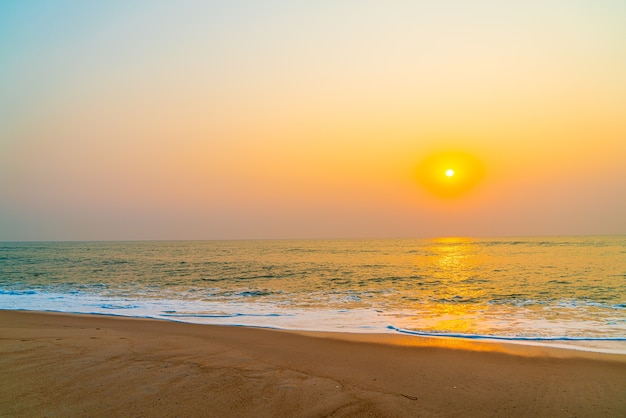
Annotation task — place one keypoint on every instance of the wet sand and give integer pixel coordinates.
(61, 365)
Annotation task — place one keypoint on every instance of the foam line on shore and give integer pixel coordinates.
(502, 338)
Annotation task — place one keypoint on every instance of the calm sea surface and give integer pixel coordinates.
(566, 291)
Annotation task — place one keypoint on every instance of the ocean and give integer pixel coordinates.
(563, 291)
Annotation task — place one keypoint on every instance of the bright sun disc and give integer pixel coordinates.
(450, 174)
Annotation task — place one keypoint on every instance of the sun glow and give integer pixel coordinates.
(450, 174)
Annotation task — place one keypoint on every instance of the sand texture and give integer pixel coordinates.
(59, 365)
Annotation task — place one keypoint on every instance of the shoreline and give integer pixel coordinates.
(60, 364)
(522, 346)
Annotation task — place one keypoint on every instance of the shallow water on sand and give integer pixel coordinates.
(565, 290)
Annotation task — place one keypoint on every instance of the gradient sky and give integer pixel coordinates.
(285, 119)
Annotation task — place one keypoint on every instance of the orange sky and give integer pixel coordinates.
(226, 120)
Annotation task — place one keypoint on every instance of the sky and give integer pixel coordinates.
(141, 120)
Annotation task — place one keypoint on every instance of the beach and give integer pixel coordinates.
(55, 365)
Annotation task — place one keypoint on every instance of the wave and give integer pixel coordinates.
(113, 306)
(172, 314)
(17, 292)
(500, 337)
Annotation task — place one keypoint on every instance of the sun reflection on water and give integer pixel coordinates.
(455, 263)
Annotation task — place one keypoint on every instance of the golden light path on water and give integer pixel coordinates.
(456, 260)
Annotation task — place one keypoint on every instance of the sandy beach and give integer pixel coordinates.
(61, 365)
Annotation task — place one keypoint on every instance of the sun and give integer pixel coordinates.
(450, 174)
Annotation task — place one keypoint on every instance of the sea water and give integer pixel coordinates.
(566, 290)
